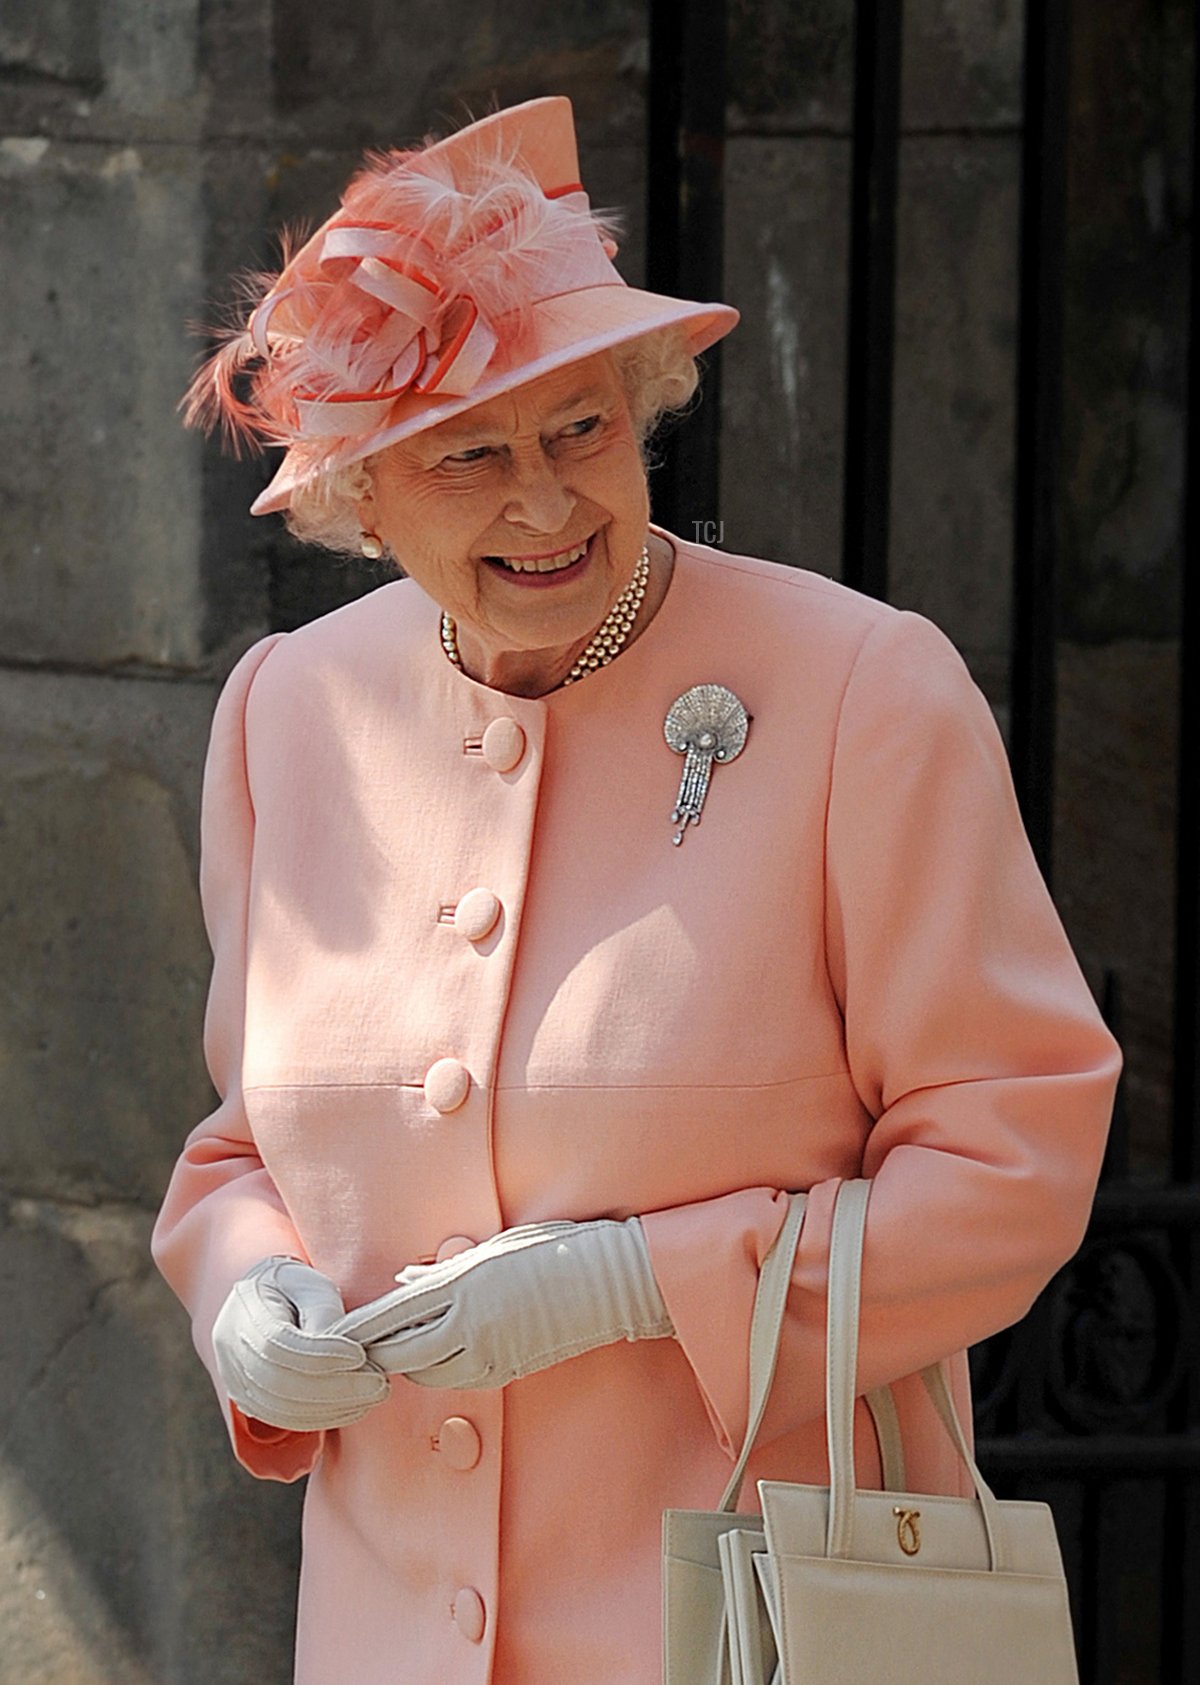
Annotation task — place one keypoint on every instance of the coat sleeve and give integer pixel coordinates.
(971, 1037)
(222, 1212)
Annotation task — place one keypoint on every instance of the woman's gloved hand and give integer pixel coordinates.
(527, 1298)
(278, 1357)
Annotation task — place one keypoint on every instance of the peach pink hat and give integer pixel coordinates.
(449, 273)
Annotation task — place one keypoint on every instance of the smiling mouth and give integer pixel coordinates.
(557, 563)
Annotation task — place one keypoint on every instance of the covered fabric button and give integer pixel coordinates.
(503, 744)
(452, 1246)
(446, 1084)
(469, 1613)
(476, 914)
(459, 1443)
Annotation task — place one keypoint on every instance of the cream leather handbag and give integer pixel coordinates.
(838, 1586)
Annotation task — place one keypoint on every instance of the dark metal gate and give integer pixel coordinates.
(1092, 1403)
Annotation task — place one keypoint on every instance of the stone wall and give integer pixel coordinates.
(146, 146)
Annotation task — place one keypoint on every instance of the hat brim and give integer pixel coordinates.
(565, 329)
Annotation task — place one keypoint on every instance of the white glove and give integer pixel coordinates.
(527, 1298)
(278, 1357)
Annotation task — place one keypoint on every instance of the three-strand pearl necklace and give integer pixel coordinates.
(609, 638)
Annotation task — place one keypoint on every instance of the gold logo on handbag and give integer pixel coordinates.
(907, 1531)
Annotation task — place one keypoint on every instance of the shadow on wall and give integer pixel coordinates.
(133, 1545)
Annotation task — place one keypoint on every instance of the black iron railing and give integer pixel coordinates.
(871, 301)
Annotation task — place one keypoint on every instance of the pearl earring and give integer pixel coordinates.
(371, 545)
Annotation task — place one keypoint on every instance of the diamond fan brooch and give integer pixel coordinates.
(706, 724)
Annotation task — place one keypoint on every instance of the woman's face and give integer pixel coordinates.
(531, 475)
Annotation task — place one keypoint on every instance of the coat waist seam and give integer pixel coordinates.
(574, 1088)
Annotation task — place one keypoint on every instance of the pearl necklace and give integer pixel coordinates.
(609, 639)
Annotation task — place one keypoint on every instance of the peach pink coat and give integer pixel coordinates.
(851, 966)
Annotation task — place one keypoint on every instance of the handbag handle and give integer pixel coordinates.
(841, 1364)
(766, 1323)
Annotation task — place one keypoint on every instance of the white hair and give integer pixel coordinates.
(659, 375)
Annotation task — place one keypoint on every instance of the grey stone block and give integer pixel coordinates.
(955, 391)
(123, 68)
(126, 1527)
(1128, 270)
(962, 63)
(790, 67)
(54, 42)
(99, 487)
(126, 540)
(783, 371)
(368, 75)
(106, 961)
(237, 68)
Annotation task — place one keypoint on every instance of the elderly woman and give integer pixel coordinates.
(572, 899)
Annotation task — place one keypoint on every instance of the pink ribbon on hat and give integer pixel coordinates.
(414, 338)
(428, 343)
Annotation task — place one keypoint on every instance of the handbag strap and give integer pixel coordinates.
(841, 1363)
(766, 1324)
